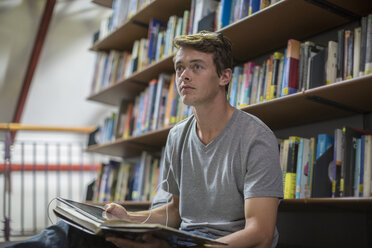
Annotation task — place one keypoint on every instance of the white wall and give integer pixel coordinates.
(59, 88)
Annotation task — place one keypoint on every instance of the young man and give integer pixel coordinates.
(221, 164)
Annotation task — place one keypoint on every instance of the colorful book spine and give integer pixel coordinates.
(290, 77)
(290, 176)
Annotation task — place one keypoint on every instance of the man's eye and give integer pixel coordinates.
(197, 67)
(179, 68)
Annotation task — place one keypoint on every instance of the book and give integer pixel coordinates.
(317, 75)
(331, 63)
(349, 158)
(340, 54)
(356, 52)
(368, 63)
(367, 175)
(363, 41)
(322, 182)
(290, 176)
(337, 184)
(290, 76)
(94, 220)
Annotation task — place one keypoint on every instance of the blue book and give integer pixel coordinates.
(358, 144)
(324, 142)
(299, 168)
(284, 82)
(254, 6)
(155, 27)
(361, 175)
(234, 86)
(225, 12)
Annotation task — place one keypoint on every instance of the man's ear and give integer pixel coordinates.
(225, 77)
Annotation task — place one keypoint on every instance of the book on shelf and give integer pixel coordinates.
(290, 175)
(95, 220)
(290, 76)
(322, 183)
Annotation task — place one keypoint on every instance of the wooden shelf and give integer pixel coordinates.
(327, 102)
(297, 19)
(358, 7)
(136, 27)
(130, 87)
(357, 204)
(271, 28)
(133, 146)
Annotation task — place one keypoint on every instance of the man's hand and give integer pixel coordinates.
(117, 211)
(148, 242)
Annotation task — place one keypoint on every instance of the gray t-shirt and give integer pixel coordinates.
(213, 180)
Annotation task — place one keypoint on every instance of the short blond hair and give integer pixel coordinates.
(209, 42)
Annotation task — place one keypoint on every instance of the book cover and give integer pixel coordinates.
(290, 77)
(94, 220)
(368, 63)
(348, 56)
(290, 176)
(337, 180)
(318, 69)
(323, 143)
(348, 170)
(363, 44)
(357, 167)
(312, 154)
(331, 64)
(254, 6)
(367, 175)
(356, 52)
(322, 182)
(340, 54)
(271, 92)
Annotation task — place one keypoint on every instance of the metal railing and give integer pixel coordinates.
(32, 174)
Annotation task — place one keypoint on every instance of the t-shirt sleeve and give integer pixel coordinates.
(170, 171)
(263, 175)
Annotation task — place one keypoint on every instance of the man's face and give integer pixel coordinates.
(196, 77)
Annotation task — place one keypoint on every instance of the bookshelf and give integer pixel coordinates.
(343, 99)
(264, 32)
(136, 27)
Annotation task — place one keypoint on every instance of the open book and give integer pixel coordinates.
(91, 219)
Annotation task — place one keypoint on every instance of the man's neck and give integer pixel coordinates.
(212, 119)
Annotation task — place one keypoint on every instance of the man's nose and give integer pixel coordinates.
(185, 76)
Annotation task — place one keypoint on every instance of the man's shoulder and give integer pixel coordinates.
(182, 125)
(251, 122)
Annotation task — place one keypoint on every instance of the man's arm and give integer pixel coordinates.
(158, 215)
(260, 221)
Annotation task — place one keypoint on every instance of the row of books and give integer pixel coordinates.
(124, 181)
(230, 11)
(158, 106)
(114, 66)
(304, 65)
(335, 165)
(122, 10)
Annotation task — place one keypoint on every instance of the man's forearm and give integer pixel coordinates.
(248, 237)
(167, 214)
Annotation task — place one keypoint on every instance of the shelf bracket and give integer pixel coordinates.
(141, 24)
(334, 9)
(334, 104)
